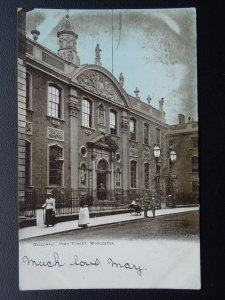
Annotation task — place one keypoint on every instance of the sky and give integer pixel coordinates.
(154, 49)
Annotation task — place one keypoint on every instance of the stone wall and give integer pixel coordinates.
(47, 131)
(21, 108)
(21, 131)
(182, 144)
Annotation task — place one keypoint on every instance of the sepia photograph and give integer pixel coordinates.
(108, 155)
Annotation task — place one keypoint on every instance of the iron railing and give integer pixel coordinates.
(67, 201)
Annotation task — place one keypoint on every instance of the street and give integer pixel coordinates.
(166, 249)
(182, 226)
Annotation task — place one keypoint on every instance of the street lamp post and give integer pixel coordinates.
(152, 202)
(173, 157)
(156, 152)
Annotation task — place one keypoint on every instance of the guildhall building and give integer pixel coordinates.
(79, 130)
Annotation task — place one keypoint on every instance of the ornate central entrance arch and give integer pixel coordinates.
(103, 149)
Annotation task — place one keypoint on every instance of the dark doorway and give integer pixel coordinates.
(101, 186)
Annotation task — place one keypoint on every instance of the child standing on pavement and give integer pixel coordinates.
(84, 213)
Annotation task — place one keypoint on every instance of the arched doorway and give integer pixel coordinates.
(102, 179)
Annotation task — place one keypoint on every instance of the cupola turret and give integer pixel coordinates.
(67, 42)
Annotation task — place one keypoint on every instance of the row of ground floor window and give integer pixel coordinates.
(106, 177)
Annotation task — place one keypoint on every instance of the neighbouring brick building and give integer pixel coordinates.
(183, 137)
(79, 129)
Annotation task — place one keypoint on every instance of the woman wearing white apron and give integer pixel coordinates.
(84, 213)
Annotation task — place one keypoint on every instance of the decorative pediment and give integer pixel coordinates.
(99, 84)
(103, 142)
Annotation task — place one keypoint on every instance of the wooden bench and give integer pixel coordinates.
(135, 208)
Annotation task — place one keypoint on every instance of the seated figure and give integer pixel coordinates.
(134, 207)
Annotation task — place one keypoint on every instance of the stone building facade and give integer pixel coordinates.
(21, 107)
(183, 137)
(79, 129)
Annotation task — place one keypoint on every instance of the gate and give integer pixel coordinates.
(30, 203)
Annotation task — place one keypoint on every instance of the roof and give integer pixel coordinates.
(66, 27)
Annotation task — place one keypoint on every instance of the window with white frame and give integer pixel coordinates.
(113, 122)
(101, 114)
(86, 113)
(132, 129)
(54, 101)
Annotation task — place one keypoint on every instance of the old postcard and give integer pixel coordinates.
(108, 149)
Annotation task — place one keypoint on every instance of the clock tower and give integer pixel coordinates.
(67, 39)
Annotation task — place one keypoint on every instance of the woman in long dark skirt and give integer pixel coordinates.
(49, 216)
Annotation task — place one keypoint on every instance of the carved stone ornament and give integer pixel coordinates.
(99, 84)
(121, 79)
(115, 138)
(97, 55)
(74, 108)
(88, 131)
(124, 126)
(133, 144)
(55, 134)
(147, 155)
(55, 122)
(28, 128)
(147, 148)
(133, 152)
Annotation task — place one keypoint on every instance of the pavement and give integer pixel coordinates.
(41, 230)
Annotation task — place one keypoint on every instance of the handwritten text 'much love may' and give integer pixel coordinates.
(56, 261)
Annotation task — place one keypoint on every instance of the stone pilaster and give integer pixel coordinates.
(112, 175)
(74, 109)
(21, 108)
(21, 133)
(125, 158)
(94, 177)
(112, 183)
